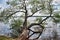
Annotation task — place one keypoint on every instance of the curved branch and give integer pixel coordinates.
(38, 36)
(33, 25)
(34, 33)
(34, 13)
(38, 23)
(30, 35)
(40, 32)
(13, 14)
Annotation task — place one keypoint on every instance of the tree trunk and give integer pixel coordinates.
(24, 35)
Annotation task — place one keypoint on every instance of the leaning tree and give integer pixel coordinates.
(24, 9)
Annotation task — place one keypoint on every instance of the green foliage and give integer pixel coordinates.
(33, 10)
(37, 5)
(16, 26)
(57, 18)
(2, 16)
(39, 19)
(45, 6)
(7, 3)
(34, 2)
(13, 2)
(57, 15)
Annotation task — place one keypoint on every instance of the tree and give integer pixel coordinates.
(36, 6)
(16, 27)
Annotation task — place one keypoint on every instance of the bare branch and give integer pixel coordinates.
(44, 19)
(28, 16)
(34, 31)
(38, 23)
(34, 13)
(13, 14)
(30, 35)
(40, 16)
(38, 36)
(33, 25)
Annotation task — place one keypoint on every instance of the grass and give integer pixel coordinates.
(5, 38)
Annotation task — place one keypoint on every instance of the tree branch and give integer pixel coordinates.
(30, 35)
(13, 14)
(38, 23)
(33, 25)
(34, 13)
(35, 32)
(38, 36)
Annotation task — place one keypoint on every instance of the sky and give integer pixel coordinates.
(3, 3)
(3, 27)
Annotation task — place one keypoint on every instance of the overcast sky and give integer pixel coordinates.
(3, 27)
(3, 2)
